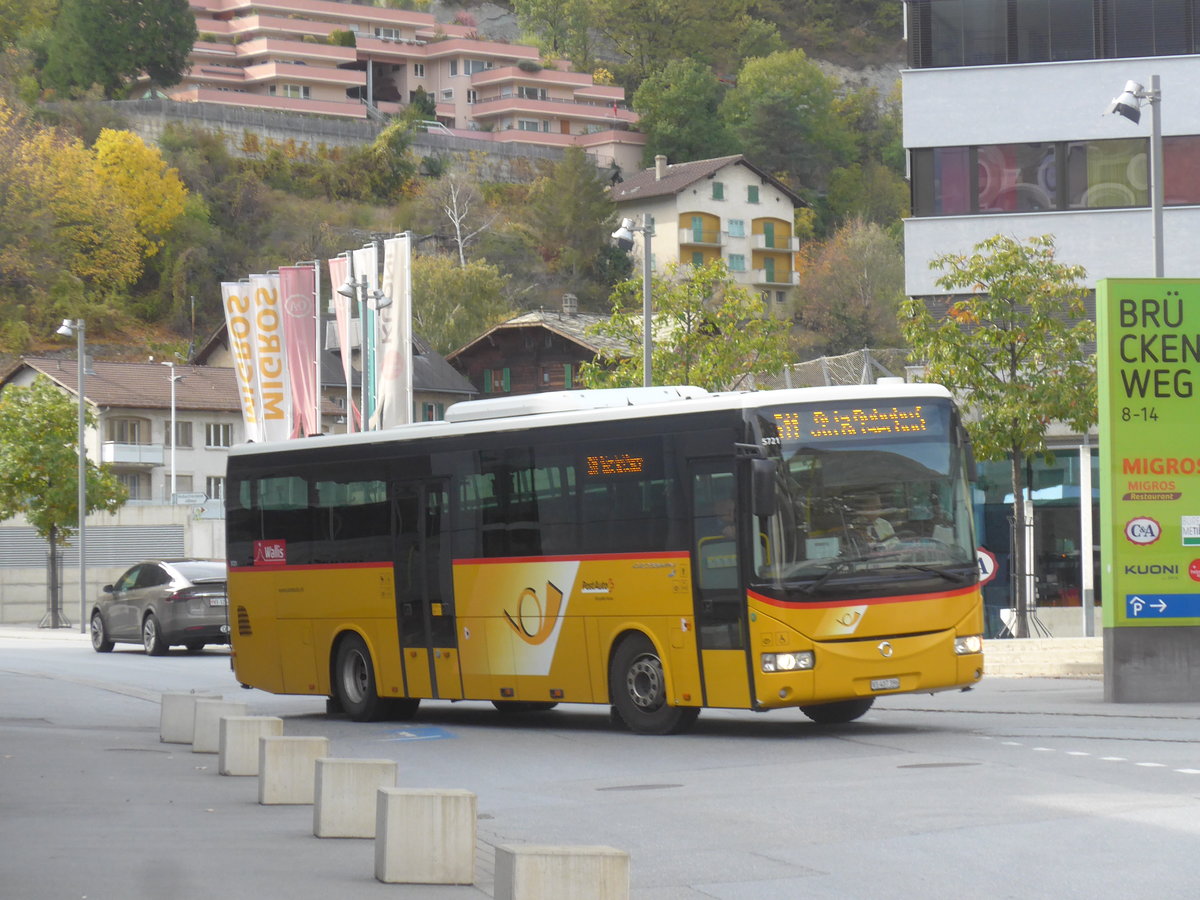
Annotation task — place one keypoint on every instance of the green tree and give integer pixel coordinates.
(111, 42)
(1011, 346)
(453, 304)
(708, 331)
(559, 28)
(39, 456)
(568, 220)
(869, 191)
(784, 112)
(678, 108)
(850, 291)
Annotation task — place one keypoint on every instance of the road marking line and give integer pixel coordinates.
(1151, 765)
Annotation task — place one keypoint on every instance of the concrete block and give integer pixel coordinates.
(565, 873)
(237, 753)
(346, 795)
(207, 736)
(425, 836)
(177, 716)
(287, 768)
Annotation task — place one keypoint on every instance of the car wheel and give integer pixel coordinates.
(638, 689)
(100, 641)
(354, 681)
(838, 713)
(152, 638)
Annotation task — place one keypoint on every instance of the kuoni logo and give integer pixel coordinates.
(1142, 530)
(270, 553)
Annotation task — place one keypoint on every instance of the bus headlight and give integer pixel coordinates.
(787, 662)
(971, 643)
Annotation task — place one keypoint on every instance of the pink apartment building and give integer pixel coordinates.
(275, 54)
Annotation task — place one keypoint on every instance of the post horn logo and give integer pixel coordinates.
(532, 622)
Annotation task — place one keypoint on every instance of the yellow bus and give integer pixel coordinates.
(660, 550)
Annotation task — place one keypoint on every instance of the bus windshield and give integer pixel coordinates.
(868, 501)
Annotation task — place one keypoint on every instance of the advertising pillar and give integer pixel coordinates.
(1148, 365)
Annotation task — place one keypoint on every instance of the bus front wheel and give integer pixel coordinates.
(638, 689)
(354, 681)
(838, 713)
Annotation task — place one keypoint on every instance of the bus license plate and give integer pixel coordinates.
(885, 684)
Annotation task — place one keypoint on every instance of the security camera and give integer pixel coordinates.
(624, 235)
(1129, 103)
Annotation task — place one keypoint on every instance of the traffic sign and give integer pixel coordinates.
(1162, 606)
(987, 565)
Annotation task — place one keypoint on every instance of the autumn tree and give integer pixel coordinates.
(454, 304)
(1012, 346)
(850, 291)
(153, 192)
(708, 331)
(112, 42)
(39, 456)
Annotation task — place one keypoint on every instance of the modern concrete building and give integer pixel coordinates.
(353, 61)
(724, 208)
(1007, 131)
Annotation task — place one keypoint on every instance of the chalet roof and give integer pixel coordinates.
(680, 176)
(137, 385)
(570, 326)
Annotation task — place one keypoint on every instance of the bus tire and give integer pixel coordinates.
(516, 707)
(354, 681)
(638, 689)
(838, 713)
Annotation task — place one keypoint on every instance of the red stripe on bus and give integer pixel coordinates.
(588, 557)
(310, 567)
(870, 601)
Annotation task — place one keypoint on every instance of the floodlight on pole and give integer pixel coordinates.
(174, 380)
(77, 328)
(1128, 104)
(623, 237)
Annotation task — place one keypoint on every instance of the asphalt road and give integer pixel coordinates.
(1022, 788)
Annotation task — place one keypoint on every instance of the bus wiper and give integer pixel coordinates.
(934, 570)
(838, 565)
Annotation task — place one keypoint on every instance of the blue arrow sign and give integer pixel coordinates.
(1162, 606)
(419, 733)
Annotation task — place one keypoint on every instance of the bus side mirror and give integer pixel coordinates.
(763, 477)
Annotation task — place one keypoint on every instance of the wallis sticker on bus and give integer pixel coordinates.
(1148, 366)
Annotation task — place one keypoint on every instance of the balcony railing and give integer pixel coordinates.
(711, 237)
(131, 454)
(778, 276)
(777, 242)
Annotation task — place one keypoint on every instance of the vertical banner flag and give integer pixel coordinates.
(394, 397)
(239, 321)
(339, 269)
(270, 359)
(365, 265)
(297, 286)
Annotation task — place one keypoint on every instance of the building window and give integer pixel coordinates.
(137, 483)
(472, 96)
(497, 381)
(218, 434)
(737, 262)
(294, 91)
(448, 94)
(752, 193)
(471, 66)
(418, 70)
(780, 296)
(718, 190)
(533, 125)
(697, 258)
(183, 433)
(453, 67)
(388, 34)
(183, 483)
(531, 93)
(737, 228)
(214, 487)
(128, 431)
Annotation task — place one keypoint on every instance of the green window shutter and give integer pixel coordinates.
(752, 193)
(568, 375)
(769, 234)
(507, 380)
(718, 190)
(487, 381)
(697, 229)
(769, 269)
(697, 259)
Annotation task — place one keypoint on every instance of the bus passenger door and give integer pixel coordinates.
(717, 578)
(424, 596)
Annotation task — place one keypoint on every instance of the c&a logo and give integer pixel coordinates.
(1142, 530)
(533, 622)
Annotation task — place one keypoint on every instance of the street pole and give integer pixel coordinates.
(1154, 96)
(647, 331)
(82, 493)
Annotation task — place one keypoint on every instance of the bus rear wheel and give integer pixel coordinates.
(838, 713)
(638, 688)
(354, 681)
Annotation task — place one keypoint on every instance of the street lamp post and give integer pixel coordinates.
(1129, 104)
(624, 238)
(174, 380)
(78, 328)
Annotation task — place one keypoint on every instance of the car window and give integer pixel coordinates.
(128, 580)
(201, 569)
(152, 576)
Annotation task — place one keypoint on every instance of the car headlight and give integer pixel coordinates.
(971, 643)
(793, 661)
